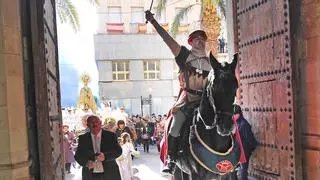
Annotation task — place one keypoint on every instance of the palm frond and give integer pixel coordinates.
(219, 3)
(222, 6)
(160, 7)
(67, 13)
(177, 19)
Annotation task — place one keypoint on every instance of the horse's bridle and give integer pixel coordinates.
(217, 112)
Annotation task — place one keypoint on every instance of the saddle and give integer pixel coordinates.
(215, 162)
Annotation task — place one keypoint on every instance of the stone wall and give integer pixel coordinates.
(309, 93)
(13, 130)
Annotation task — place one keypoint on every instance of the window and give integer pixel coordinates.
(137, 14)
(120, 70)
(151, 70)
(184, 19)
(114, 14)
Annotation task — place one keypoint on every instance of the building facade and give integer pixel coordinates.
(136, 68)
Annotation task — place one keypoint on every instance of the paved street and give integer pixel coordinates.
(146, 167)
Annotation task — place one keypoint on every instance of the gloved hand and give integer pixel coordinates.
(149, 16)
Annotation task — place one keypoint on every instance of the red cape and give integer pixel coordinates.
(182, 97)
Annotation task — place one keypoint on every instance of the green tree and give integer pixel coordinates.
(67, 13)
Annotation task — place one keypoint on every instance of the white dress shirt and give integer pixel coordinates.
(96, 142)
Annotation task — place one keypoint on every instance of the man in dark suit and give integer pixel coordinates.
(95, 148)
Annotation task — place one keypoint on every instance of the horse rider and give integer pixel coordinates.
(194, 68)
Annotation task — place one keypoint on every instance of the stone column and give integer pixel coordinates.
(13, 125)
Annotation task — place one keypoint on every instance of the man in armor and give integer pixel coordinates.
(194, 68)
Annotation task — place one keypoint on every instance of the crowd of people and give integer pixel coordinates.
(130, 133)
(140, 131)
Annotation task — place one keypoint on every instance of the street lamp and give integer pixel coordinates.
(147, 100)
(150, 100)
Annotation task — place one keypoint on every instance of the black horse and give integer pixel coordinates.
(208, 133)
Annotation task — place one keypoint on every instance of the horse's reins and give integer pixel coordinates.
(211, 101)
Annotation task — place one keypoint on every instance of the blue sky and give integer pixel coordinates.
(76, 53)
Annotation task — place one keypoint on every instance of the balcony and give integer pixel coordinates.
(137, 28)
(164, 25)
(115, 27)
(184, 28)
(140, 28)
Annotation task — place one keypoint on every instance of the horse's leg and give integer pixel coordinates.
(178, 174)
(194, 176)
(185, 176)
(225, 177)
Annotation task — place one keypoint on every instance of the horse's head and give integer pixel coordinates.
(219, 95)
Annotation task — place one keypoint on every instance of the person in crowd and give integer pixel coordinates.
(194, 69)
(150, 126)
(221, 45)
(68, 139)
(121, 128)
(139, 126)
(110, 125)
(145, 140)
(249, 142)
(97, 152)
(131, 125)
(125, 160)
(84, 124)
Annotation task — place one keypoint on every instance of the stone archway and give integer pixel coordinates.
(30, 117)
(14, 162)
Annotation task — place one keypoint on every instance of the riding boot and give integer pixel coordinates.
(173, 143)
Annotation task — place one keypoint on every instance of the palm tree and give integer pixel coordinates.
(210, 21)
(67, 12)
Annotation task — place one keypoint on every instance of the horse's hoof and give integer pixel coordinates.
(168, 170)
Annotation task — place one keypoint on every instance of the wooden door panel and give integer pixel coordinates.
(53, 99)
(281, 99)
(278, 16)
(280, 55)
(272, 163)
(265, 84)
(53, 88)
(49, 121)
(50, 52)
(266, 126)
(244, 4)
(255, 24)
(283, 129)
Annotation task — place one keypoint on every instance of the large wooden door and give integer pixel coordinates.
(46, 89)
(263, 34)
